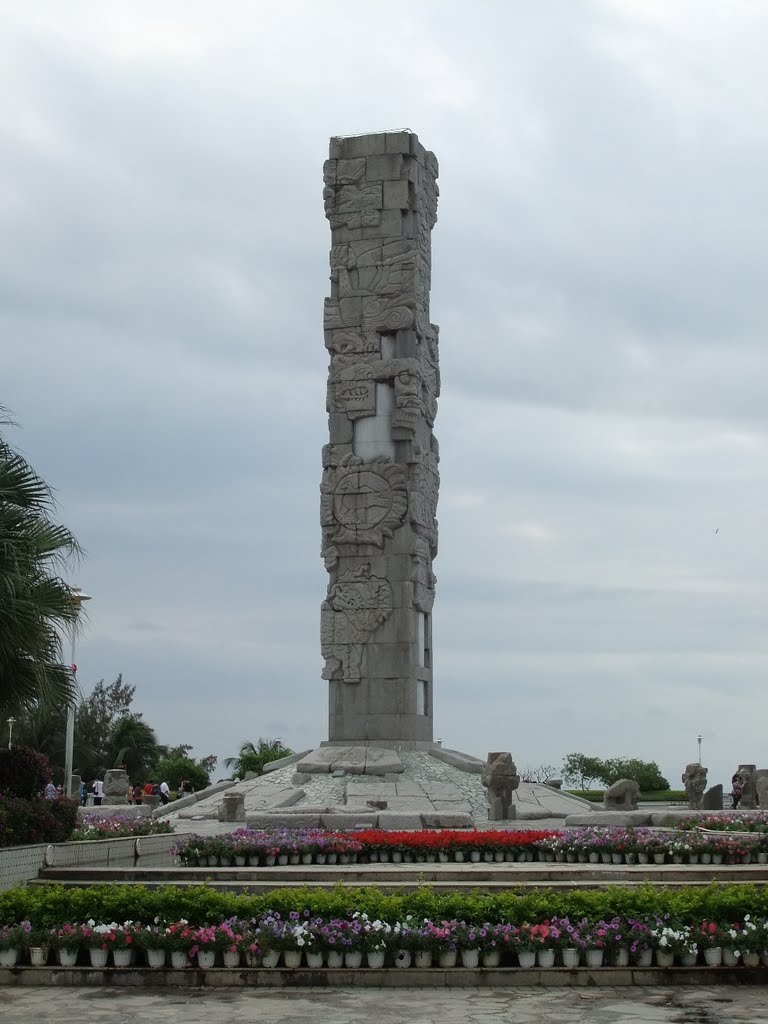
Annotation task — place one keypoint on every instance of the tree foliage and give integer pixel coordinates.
(37, 607)
(253, 756)
(175, 767)
(581, 771)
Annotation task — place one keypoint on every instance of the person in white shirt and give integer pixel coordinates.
(165, 793)
(98, 792)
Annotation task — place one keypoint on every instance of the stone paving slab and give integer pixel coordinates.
(524, 1005)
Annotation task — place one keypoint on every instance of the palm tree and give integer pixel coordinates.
(36, 605)
(133, 743)
(253, 757)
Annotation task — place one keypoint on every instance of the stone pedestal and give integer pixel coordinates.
(115, 787)
(232, 807)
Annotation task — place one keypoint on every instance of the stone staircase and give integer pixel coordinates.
(409, 877)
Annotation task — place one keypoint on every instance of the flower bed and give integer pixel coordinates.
(744, 821)
(116, 826)
(356, 940)
(594, 844)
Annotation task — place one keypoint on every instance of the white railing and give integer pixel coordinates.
(19, 864)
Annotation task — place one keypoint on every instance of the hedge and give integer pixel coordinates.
(50, 906)
(39, 820)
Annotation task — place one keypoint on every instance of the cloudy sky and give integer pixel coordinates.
(600, 282)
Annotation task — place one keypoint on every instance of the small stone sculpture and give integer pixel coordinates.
(621, 796)
(116, 786)
(500, 779)
(713, 799)
(747, 773)
(695, 782)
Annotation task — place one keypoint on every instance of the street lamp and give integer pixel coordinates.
(11, 722)
(699, 739)
(78, 596)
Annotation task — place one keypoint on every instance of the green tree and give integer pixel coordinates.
(646, 774)
(580, 770)
(176, 766)
(253, 756)
(36, 605)
(134, 744)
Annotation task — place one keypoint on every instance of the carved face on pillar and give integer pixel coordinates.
(357, 604)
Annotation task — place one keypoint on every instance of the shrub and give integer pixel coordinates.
(23, 772)
(36, 821)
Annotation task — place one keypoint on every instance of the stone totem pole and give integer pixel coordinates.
(380, 479)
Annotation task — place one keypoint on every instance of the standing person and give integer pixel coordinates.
(148, 789)
(50, 790)
(98, 792)
(165, 793)
(138, 794)
(83, 795)
(737, 788)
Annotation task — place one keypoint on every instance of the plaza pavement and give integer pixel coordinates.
(691, 1005)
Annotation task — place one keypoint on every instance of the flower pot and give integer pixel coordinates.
(271, 958)
(397, 857)
(179, 958)
(306, 858)
(239, 861)
(527, 958)
(353, 959)
(570, 857)
(403, 958)
(594, 957)
(343, 858)
(314, 960)
(206, 958)
(8, 957)
(431, 858)
(617, 858)
(231, 958)
(155, 958)
(762, 858)
(252, 959)
(571, 957)
(67, 957)
(335, 958)
(98, 957)
(688, 959)
(282, 858)
(226, 862)
(630, 857)
(659, 858)
(121, 957)
(292, 958)
(594, 857)
(705, 858)
(294, 858)
(442, 857)
(582, 857)
(645, 958)
(642, 858)
(375, 958)
(320, 858)
(621, 958)
(474, 856)
(498, 856)
(333, 858)
(693, 858)
(729, 958)
(488, 856)
(717, 858)
(545, 957)
(423, 958)
(38, 956)
(677, 858)
(448, 958)
(664, 958)
(605, 857)
(459, 856)
(491, 958)
(713, 956)
(751, 959)
(470, 958)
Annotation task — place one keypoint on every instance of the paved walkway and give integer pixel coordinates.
(699, 1005)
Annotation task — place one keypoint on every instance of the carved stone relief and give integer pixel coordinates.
(362, 503)
(357, 604)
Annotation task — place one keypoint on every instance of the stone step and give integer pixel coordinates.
(441, 877)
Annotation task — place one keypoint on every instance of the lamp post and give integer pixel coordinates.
(78, 596)
(11, 722)
(699, 741)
